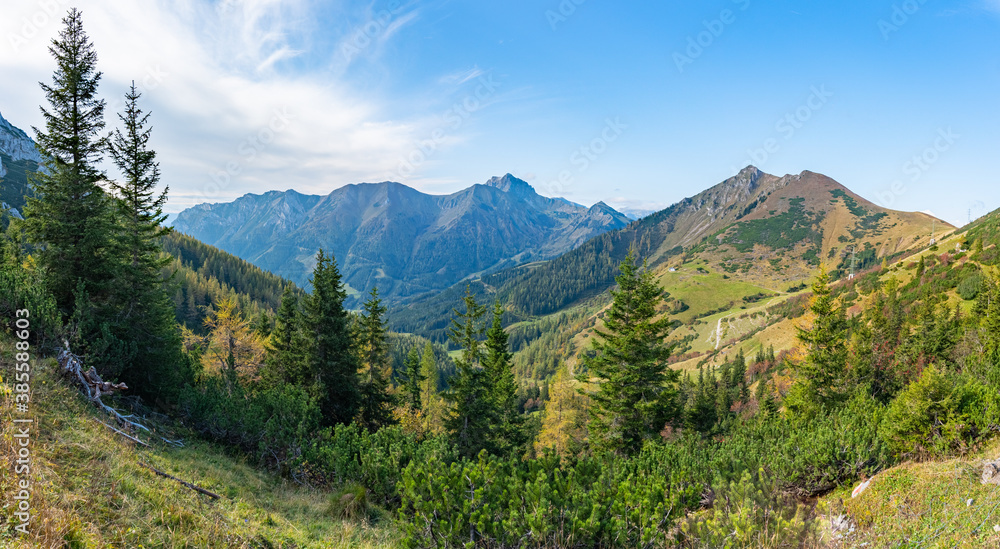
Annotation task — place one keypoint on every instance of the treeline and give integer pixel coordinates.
(541, 289)
(202, 276)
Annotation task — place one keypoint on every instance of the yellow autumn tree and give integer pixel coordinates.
(233, 347)
(564, 421)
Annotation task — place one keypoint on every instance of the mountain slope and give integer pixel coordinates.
(766, 231)
(18, 158)
(395, 237)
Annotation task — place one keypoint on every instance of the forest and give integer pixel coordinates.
(460, 449)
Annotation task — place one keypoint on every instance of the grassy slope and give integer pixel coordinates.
(89, 491)
(924, 505)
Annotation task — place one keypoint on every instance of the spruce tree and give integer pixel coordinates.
(146, 316)
(508, 425)
(333, 362)
(412, 379)
(375, 401)
(468, 395)
(636, 393)
(286, 358)
(822, 374)
(70, 216)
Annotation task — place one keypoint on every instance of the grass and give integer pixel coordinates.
(88, 489)
(926, 505)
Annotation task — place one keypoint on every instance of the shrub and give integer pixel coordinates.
(350, 502)
(939, 414)
(970, 286)
(750, 512)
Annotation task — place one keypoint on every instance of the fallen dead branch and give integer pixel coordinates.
(94, 388)
(196, 488)
(122, 433)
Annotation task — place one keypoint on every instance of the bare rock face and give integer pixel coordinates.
(991, 472)
(16, 143)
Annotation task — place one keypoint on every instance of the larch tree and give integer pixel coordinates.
(564, 421)
(636, 388)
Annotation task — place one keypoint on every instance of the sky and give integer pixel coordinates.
(638, 104)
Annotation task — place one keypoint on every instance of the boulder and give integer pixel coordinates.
(991, 472)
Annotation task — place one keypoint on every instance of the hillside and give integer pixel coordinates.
(768, 234)
(89, 489)
(201, 276)
(394, 237)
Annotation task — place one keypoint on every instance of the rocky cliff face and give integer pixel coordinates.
(18, 158)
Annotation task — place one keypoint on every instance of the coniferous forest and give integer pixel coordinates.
(500, 429)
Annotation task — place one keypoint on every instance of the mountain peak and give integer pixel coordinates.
(512, 185)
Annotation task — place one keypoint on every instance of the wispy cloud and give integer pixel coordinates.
(231, 115)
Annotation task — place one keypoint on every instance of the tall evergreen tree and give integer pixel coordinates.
(333, 362)
(507, 433)
(822, 373)
(70, 216)
(146, 316)
(286, 358)
(413, 379)
(376, 402)
(468, 395)
(636, 393)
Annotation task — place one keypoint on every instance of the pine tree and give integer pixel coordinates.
(822, 374)
(636, 393)
(413, 379)
(146, 316)
(508, 426)
(375, 401)
(468, 396)
(70, 216)
(333, 362)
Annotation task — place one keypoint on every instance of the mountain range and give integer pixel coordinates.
(765, 232)
(394, 237)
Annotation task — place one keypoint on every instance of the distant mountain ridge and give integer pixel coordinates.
(397, 238)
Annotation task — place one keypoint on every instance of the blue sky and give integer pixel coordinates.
(636, 104)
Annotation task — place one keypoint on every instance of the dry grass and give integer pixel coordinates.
(88, 489)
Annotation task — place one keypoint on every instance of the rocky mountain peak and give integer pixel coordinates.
(512, 185)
